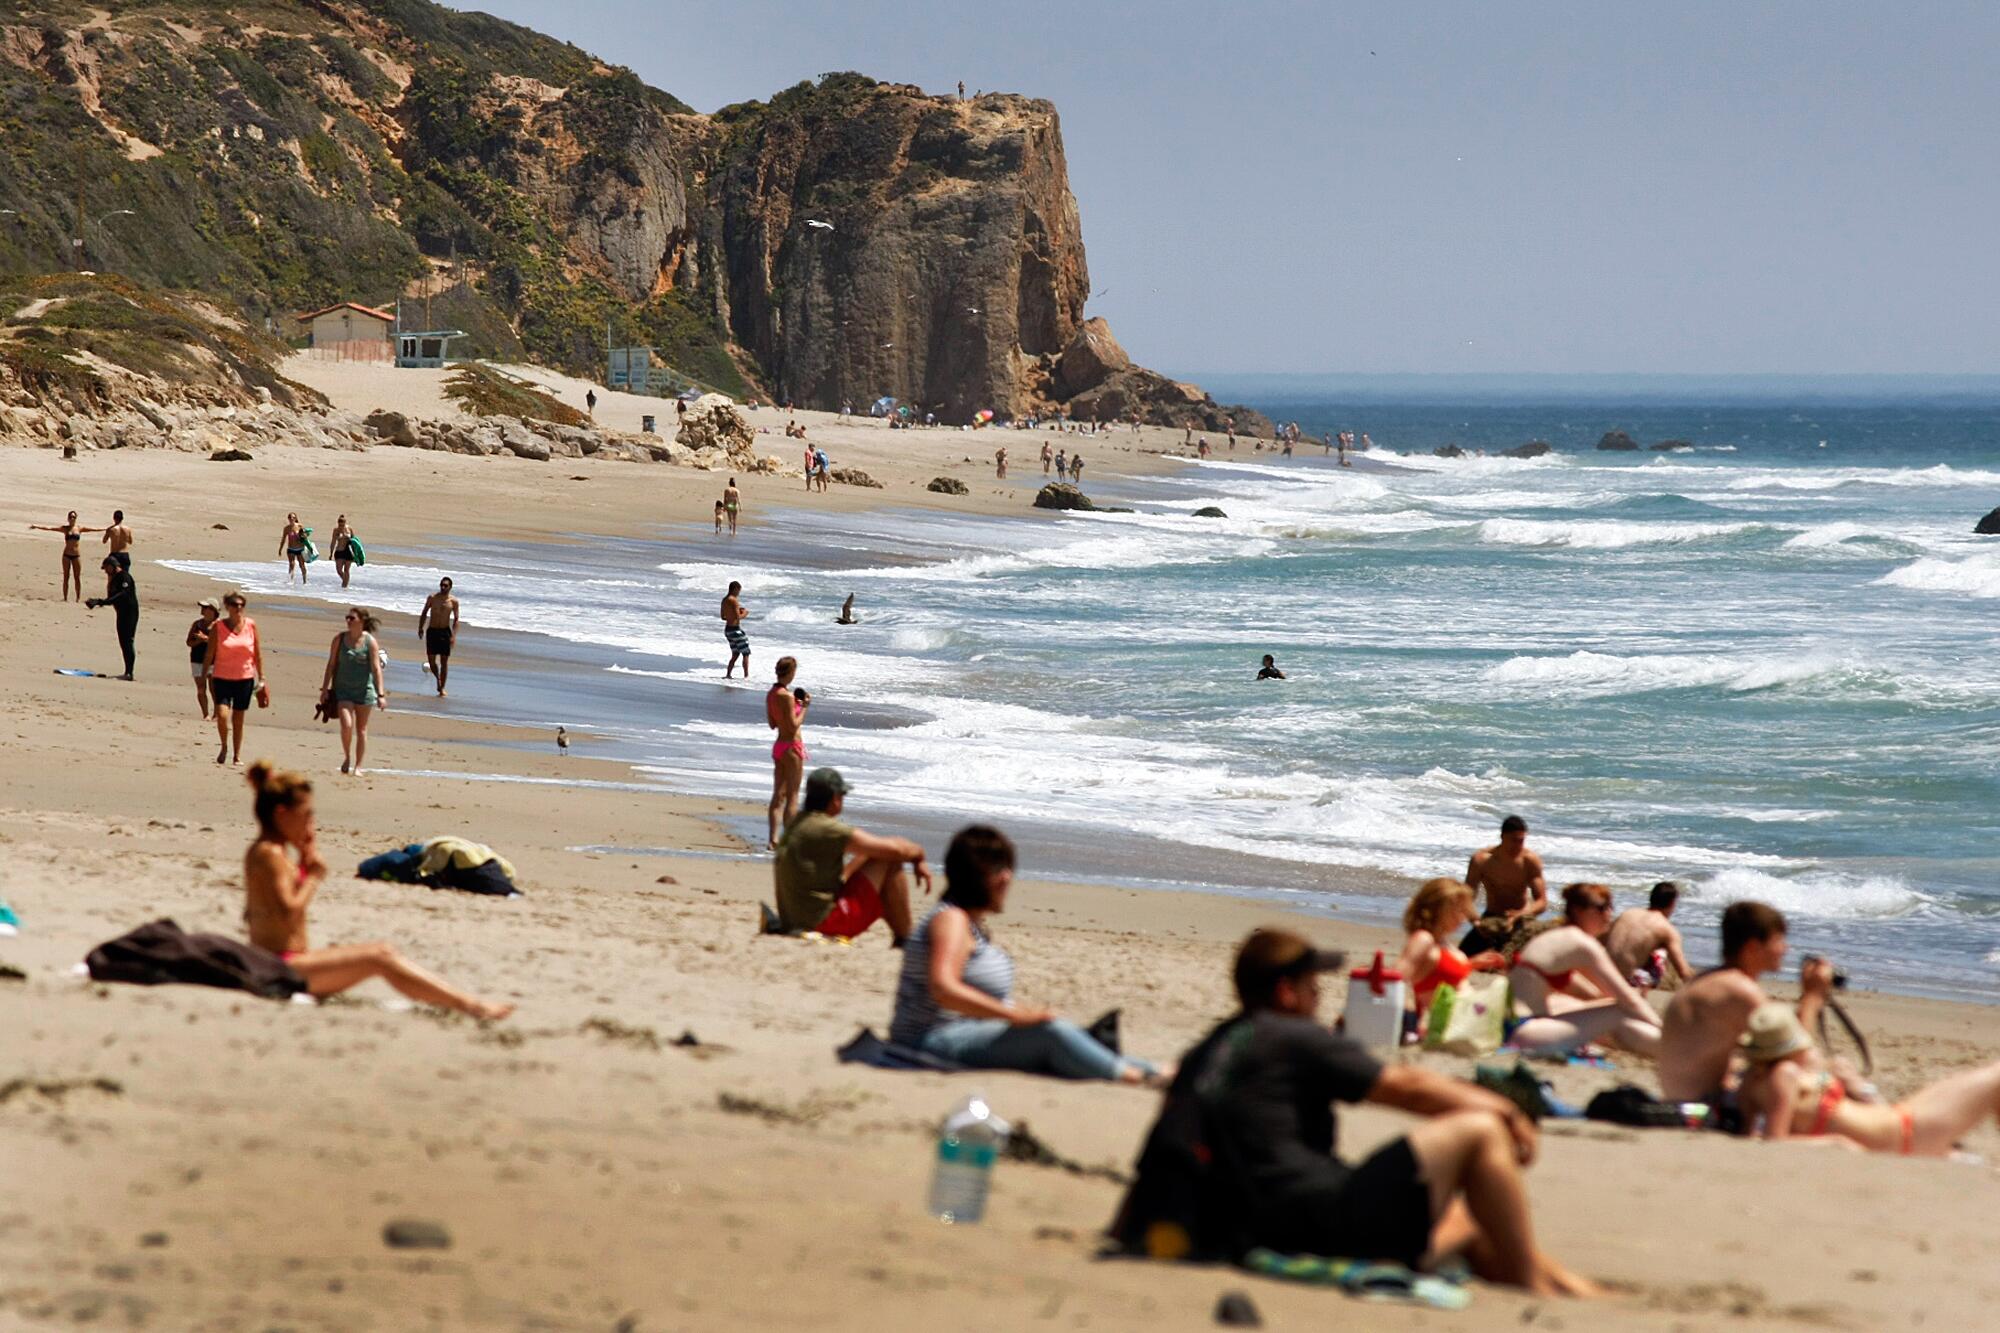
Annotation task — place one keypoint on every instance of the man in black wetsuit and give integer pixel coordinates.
(122, 595)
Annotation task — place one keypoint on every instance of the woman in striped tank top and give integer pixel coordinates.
(954, 998)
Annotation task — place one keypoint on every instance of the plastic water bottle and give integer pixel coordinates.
(967, 1147)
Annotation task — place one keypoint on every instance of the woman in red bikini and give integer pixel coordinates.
(785, 712)
(279, 890)
(1439, 911)
(1567, 991)
(1790, 1085)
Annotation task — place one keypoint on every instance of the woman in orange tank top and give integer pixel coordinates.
(235, 671)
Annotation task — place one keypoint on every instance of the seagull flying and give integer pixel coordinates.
(822, 226)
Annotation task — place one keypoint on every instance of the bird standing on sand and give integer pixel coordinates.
(562, 742)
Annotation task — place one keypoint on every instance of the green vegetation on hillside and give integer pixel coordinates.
(485, 392)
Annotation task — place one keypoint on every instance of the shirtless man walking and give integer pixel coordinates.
(733, 615)
(1639, 933)
(1516, 891)
(437, 626)
(1708, 1015)
(119, 538)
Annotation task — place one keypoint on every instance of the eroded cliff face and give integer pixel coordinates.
(845, 240)
(880, 241)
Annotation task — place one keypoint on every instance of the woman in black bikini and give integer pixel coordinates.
(72, 555)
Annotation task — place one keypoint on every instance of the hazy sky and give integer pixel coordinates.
(1694, 187)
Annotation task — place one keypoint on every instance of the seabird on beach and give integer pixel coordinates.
(562, 742)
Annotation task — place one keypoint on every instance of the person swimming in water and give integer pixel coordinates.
(785, 713)
(278, 890)
(72, 552)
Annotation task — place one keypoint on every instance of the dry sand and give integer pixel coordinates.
(187, 1159)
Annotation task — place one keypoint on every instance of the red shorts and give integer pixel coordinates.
(858, 907)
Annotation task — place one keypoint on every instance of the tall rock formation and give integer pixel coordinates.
(374, 149)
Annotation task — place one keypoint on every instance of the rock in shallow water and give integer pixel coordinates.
(1988, 526)
(1062, 495)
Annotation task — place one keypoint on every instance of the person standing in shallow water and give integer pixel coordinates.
(293, 544)
(732, 501)
(343, 549)
(121, 594)
(72, 552)
(785, 713)
(734, 613)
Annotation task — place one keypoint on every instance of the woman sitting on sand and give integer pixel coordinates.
(1438, 911)
(1567, 991)
(954, 997)
(1790, 1086)
(278, 890)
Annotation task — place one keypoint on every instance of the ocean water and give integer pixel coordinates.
(1764, 666)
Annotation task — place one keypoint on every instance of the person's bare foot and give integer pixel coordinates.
(492, 1011)
(222, 755)
(343, 766)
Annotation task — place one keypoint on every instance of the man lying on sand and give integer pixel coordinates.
(1242, 1154)
(1797, 1095)
(278, 890)
(1645, 943)
(1516, 890)
(838, 880)
(1710, 1013)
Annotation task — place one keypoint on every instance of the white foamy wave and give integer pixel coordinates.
(705, 574)
(1814, 893)
(1976, 576)
(1591, 674)
(1826, 479)
(1601, 534)
(1828, 534)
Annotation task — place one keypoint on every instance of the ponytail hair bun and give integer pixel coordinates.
(276, 789)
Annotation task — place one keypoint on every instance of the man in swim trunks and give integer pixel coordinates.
(838, 880)
(1709, 1014)
(119, 538)
(1516, 891)
(437, 626)
(733, 615)
(785, 712)
(1642, 933)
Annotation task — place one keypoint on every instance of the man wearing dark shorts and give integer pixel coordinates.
(1242, 1155)
(838, 880)
(438, 628)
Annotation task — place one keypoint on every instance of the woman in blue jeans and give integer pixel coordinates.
(954, 997)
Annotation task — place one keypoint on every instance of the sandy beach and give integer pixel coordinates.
(186, 1159)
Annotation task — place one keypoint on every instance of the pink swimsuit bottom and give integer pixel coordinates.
(783, 748)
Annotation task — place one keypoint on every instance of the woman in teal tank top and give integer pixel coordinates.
(353, 685)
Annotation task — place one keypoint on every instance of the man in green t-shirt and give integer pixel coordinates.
(838, 880)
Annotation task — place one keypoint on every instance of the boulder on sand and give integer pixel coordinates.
(1092, 357)
(712, 422)
(1062, 495)
(854, 476)
(947, 486)
(229, 456)
(393, 427)
(1988, 526)
(1617, 441)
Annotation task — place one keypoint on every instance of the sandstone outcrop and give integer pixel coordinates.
(1092, 357)
(947, 486)
(854, 476)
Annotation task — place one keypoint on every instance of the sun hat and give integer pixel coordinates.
(1774, 1034)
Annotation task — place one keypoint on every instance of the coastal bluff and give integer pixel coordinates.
(843, 241)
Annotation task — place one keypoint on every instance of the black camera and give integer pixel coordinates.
(1839, 977)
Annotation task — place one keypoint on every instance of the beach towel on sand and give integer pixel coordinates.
(161, 953)
(870, 1050)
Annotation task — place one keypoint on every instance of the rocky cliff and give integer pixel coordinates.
(844, 240)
